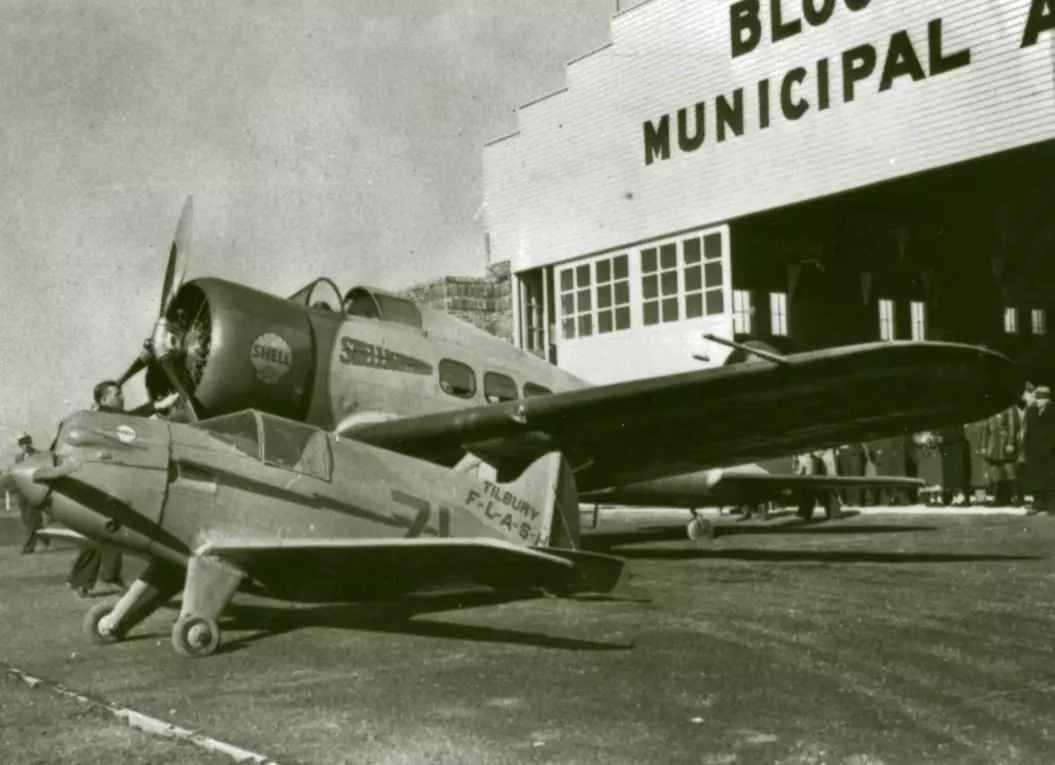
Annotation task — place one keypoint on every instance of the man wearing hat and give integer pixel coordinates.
(32, 518)
(1038, 447)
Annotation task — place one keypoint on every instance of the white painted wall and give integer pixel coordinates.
(574, 181)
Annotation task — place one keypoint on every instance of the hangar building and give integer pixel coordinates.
(805, 172)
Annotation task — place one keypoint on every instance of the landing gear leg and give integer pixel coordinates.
(109, 622)
(700, 529)
(807, 501)
(210, 584)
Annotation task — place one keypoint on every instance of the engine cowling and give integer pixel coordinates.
(241, 348)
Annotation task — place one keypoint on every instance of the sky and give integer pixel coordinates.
(337, 138)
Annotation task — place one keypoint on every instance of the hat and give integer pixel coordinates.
(25, 438)
(1042, 392)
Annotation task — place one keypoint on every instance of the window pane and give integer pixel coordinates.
(622, 292)
(652, 313)
(649, 287)
(693, 306)
(712, 246)
(715, 302)
(670, 283)
(567, 304)
(668, 255)
(586, 325)
(713, 274)
(693, 279)
(566, 279)
(499, 388)
(584, 300)
(296, 446)
(604, 296)
(569, 329)
(648, 260)
(582, 275)
(622, 318)
(604, 321)
(604, 271)
(670, 309)
(691, 250)
(457, 379)
(621, 267)
(531, 389)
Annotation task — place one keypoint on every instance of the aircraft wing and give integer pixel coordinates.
(664, 426)
(400, 563)
(734, 486)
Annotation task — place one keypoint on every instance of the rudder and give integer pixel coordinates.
(550, 484)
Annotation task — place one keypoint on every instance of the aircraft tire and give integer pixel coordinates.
(195, 636)
(700, 530)
(91, 625)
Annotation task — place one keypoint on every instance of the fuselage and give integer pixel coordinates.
(166, 489)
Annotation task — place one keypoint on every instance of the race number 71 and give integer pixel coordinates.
(423, 509)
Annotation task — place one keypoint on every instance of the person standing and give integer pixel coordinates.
(1038, 443)
(95, 562)
(1000, 450)
(32, 516)
(955, 453)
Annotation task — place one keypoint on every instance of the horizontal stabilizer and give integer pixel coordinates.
(600, 573)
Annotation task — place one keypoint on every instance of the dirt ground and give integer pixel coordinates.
(924, 638)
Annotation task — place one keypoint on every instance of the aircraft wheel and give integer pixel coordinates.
(92, 629)
(195, 636)
(700, 529)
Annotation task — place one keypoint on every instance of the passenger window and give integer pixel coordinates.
(499, 388)
(531, 389)
(457, 379)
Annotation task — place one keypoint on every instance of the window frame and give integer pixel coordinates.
(887, 319)
(918, 319)
(1038, 321)
(489, 375)
(472, 376)
(743, 312)
(1010, 320)
(534, 389)
(595, 287)
(778, 314)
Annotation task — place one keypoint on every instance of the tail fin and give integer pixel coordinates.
(550, 485)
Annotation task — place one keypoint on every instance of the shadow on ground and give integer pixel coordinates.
(820, 556)
(397, 617)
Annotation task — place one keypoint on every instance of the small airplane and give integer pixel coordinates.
(374, 367)
(254, 501)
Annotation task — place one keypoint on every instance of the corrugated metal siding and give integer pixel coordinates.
(574, 180)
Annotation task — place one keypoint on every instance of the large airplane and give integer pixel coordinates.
(374, 367)
(254, 501)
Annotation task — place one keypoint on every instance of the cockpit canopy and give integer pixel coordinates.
(369, 302)
(275, 441)
(384, 306)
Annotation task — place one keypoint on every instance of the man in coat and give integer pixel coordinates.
(1038, 445)
(1000, 451)
(32, 516)
(99, 563)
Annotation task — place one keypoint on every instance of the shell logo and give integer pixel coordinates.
(272, 357)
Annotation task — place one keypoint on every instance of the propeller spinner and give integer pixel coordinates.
(166, 339)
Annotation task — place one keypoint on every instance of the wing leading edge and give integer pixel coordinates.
(652, 428)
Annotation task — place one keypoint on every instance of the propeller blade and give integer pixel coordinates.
(178, 254)
(140, 361)
(177, 384)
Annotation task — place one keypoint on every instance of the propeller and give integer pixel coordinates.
(166, 339)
